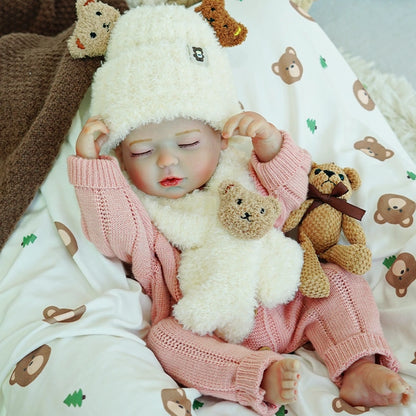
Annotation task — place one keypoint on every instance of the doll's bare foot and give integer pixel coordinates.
(369, 384)
(280, 381)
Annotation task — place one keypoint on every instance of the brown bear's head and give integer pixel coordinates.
(325, 177)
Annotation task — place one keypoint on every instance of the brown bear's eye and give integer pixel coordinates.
(262, 211)
(93, 35)
(213, 9)
(341, 176)
(239, 201)
(317, 171)
(98, 13)
(226, 26)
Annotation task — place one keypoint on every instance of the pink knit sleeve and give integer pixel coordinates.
(285, 177)
(112, 217)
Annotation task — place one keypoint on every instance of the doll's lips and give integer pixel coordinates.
(170, 181)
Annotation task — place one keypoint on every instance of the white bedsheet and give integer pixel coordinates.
(92, 359)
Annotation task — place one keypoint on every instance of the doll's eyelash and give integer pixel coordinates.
(184, 145)
(139, 154)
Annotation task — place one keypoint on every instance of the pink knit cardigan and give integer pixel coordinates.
(116, 222)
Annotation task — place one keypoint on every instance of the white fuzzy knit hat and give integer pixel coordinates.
(162, 62)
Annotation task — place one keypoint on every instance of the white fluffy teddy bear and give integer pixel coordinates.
(243, 262)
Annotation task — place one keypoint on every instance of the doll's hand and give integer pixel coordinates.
(92, 137)
(266, 138)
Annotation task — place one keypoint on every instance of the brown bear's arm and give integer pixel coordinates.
(296, 216)
(353, 230)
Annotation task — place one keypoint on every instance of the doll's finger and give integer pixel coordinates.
(259, 128)
(243, 125)
(231, 127)
(100, 140)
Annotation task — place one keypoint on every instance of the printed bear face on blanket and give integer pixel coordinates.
(30, 366)
(246, 214)
(93, 28)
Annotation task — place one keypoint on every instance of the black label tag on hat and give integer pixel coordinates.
(197, 55)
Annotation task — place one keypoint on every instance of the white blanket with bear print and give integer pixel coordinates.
(71, 323)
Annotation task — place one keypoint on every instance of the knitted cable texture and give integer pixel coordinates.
(41, 88)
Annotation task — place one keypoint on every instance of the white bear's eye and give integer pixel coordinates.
(239, 201)
(93, 34)
(98, 13)
(262, 211)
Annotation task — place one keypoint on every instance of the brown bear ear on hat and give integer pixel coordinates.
(229, 31)
(92, 29)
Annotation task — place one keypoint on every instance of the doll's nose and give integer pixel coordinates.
(329, 173)
(166, 158)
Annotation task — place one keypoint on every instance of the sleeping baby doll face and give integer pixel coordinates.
(171, 158)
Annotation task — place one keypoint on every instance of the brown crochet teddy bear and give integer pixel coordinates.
(228, 30)
(321, 219)
(92, 29)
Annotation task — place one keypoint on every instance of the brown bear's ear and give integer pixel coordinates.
(353, 177)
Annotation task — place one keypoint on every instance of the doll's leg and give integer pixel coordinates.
(214, 367)
(346, 332)
(345, 326)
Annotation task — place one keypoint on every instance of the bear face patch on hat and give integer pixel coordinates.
(162, 62)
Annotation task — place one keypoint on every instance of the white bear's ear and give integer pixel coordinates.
(81, 3)
(225, 187)
(276, 205)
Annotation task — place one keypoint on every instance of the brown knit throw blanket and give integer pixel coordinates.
(41, 87)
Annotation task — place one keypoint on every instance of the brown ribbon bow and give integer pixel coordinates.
(333, 199)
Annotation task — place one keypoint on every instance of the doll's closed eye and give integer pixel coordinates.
(191, 144)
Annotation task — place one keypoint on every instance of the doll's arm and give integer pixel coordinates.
(285, 177)
(353, 230)
(113, 218)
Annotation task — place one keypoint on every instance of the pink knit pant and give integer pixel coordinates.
(342, 328)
